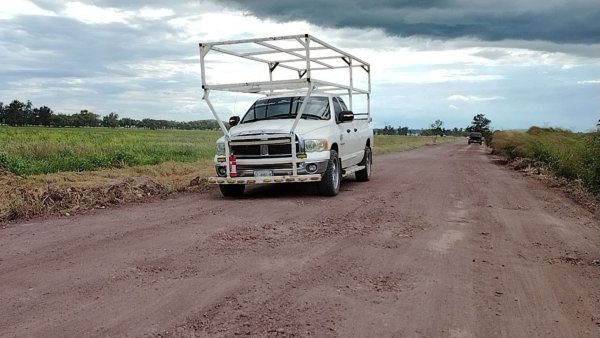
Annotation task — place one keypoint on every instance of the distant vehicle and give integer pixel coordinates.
(475, 138)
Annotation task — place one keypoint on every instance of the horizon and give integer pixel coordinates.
(410, 128)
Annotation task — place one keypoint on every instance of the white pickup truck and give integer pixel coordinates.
(301, 130)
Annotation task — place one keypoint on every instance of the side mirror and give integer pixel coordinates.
(234, 121)
(346, 116)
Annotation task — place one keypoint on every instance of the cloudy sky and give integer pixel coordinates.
(519, 62)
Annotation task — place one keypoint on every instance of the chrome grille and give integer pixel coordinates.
(262, 147)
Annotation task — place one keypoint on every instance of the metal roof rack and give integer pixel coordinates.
(305, 54)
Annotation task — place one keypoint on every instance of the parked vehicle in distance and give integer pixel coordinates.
(475, 138)
(301, 130)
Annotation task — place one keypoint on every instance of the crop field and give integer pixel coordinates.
(29, 151)
(64, 170)
(575, 156)
(38, 150)
(391, 143)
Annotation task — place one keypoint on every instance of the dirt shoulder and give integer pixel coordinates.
(72, 193)
(441, 242)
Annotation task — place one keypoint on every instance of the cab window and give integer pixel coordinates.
(337, 109)
(342, 104)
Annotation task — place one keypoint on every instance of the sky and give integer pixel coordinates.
(519, 62)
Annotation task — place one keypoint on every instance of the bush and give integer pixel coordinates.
(571, 155)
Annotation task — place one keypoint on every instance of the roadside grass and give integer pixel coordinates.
(38, 150)
(384, 144)
(70, 170)
(574, 156)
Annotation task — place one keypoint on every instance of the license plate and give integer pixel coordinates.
(263, 173)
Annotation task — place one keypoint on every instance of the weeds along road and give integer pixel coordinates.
(441, 243)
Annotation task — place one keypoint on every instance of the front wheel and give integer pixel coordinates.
(231, 190)
(330, 183)
(365, 174)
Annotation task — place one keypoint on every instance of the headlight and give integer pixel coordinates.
(315, 145)
(220, 148)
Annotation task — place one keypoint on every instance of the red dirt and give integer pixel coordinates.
(441, 242)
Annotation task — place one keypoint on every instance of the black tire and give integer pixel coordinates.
(365, 174)
(232, 190)
(332, 178)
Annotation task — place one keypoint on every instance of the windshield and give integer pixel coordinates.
(286, 108)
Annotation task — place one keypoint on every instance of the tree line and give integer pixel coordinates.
(479, 124)
(406, 131)
(19, 113)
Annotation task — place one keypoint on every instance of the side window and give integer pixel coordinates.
(343, 104)
(337, 109)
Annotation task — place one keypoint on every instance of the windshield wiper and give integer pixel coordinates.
(286, 116)
(279, 116)
(309, 116)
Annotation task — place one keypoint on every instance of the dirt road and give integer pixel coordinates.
(441, 243)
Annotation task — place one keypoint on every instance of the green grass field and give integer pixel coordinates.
(389, 143)
(37, 150)
(29, 151)
(67, 170)
(571, 155)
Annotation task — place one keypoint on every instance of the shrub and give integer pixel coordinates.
(571, 155)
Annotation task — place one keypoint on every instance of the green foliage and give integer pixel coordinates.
(481, 124)
(18, 113)
(567, 154)
(392, 143)
(111, 120)
(404, 131)
(436, 127)
(37, 150)
(11, 164)
(387, 130)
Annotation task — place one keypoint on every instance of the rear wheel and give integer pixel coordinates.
(232, 190)
(330, 183)
(365, 174)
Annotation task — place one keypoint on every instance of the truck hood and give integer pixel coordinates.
(282, 126)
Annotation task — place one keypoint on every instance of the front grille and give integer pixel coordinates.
(262, 150)
(246, 150)
(287, 166)
(280, 149)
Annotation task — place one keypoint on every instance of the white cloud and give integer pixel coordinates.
(12, 8)
(225, 25)
(589, 82)
(391, 76)
(453, 107)
(468, 98)
(95, 15)
(162, 69)
(155, 13)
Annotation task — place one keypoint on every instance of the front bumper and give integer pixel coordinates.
(265, 180)
(281, 169)
(248, 169)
